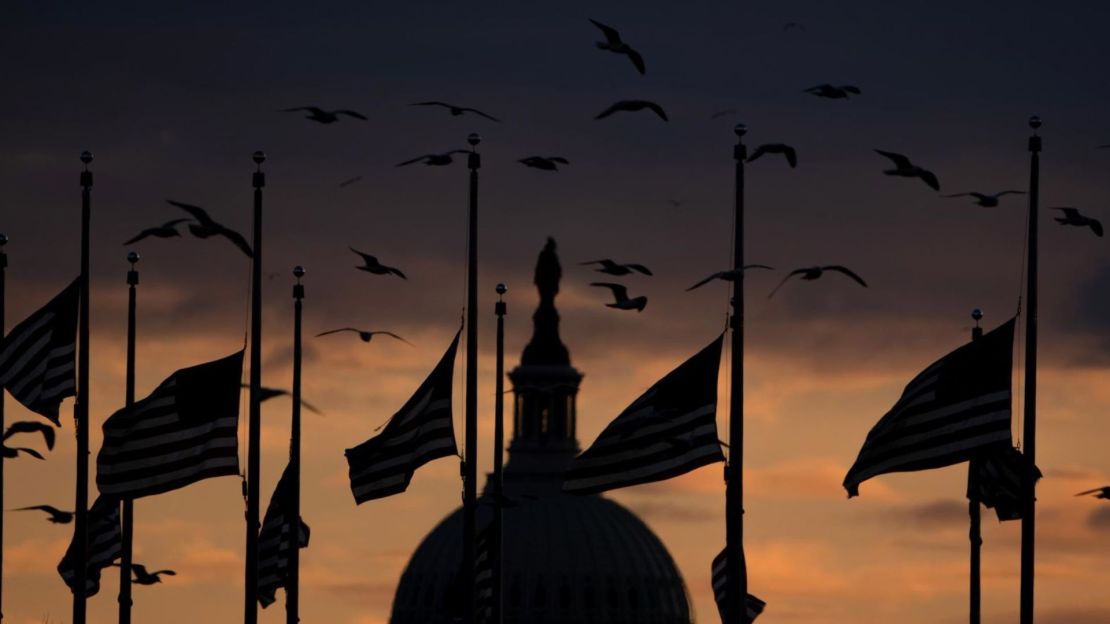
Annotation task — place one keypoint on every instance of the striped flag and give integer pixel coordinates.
(483, 575)
(420, 432)
(105, 543)
(1000, 479)
(185, 431)
(670, 430)
(37, 358)
(953, 409)
(753, 605)
(274, 541)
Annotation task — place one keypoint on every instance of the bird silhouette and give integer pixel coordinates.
(206, 227)
(612, 268)
(1072, 217)
(834, 92)
(906, 169)
(546, 163)
(320, 115)
(457, 110)
(622, 301)
(776, 148)
(434, 160)
(812, 273)
(987, 200)
(143, 577)
(1101, 492)
(269, 393)
(373, 266)
(57, 516)
(30, 426)
(12, 452)
(632, 106)
(363, 335)
(349, 181)
(613, 43)
(728, 276)
(166, 230)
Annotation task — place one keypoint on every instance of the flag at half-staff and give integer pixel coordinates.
(105, 541)
(38, 356)
(185, 431)
(483, 574)
(670, 430)
(275, 540)
(417, 434)
(754, 606)
(954, 409)
(1000, 479)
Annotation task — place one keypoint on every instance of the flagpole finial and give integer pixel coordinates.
(740, 129)
(502, 289)
(132, 257)
(977, 314)
(258, 157)
(1035, 122)
(86, 157)
(298, 272)
(474, 139)
(3, 239)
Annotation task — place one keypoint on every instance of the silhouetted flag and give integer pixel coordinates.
(105, 543)
(1000, 479)
(954, 408)
(670, 430)
(420, 432)
(185, 431)
(37, 357)
(274, 541)
(483, 575)
(753, 605)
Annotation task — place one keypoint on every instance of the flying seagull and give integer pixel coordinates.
(373, 266)
(632, 106)
(776, 148)
(812, 273)
(434, 160)
(12, 452)
(612, 268)
(166, 230)
(1102, 492)
(270, 393)
(457, 110)
(57, 516)
(1072, 217)
(142, 577)
(546, 163)
(30, 426)
(613, 43)
(834, 92)
(206, 227)
(987, 200)
(728, 276)
(906, 169)
(320, 115)
(364, 335)
(620, 294)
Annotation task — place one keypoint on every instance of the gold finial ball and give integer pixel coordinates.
(259, 157)
(86, 157)
(3, 239)
(1035, 122)
(474, 139)
(502, 289)
(977, 314)
(132, 257)
(740, 129)
(298, 271)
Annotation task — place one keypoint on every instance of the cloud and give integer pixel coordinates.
(935, 515)
(1100, 518)
(661, 510)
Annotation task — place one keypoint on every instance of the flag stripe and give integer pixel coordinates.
(754, 606)
(274, 540)
(104, 545)
(37, 356)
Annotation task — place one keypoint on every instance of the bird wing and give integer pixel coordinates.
(758, 266)
(791, 156)
(559, 159)
(637, 60)
(657, 109)
(620, 293)
(395, 271)
(1096, 226)
(1009, 193)
(784, 280)
(198, 213)
(639, 267)
(611, 34)
(602, 261)
(351, 113)
(759, 151)
(367, 258)
(166, 572)
(845, 271)
(850, 89)
(29, 426)
(481, 114)
(1069, 213)
(50, 509)
(139, 569)
(414, 160)
(311, 109)
(336, 331)
(930, 178)
(980, 195)
(31, 452)
(819, 88)
(140, 236)
(1086, 492)
(705, 281)
(237, 239)
(391, 335)
(434, 103)
(619, 106)
(899, 160)
(173, 222)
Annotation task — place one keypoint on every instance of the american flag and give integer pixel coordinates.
(37, 358)
(752, 605)
(1001, 479)
(483, 575)
(274, 541)
(105, 544)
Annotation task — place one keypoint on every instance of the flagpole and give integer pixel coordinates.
(734, 469)
(128, 513)
(470, 465)
(1029, 433)
(250, 606)
(81, 407)
(974, 511)
(3, 271)
(498, 452)
(292, 587)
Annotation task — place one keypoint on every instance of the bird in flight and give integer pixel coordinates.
(377, 268)
(349, 181)
(166, 230)
(776, 148)
(613, 43)
(812, 273)
(270, 393)
(143, 577)
(364, 335)
(987, 200)
(728, 276)
(632, 106)
(834, 92)
(11, 452)
(320, 115)
(434, 160)
(620, 294)
(29, 426)
(57, 516)
(206, 227)
(906, 169)
(546, 163)
(1072, 217)
(1102, 492)
(457, 110)
(612, 268)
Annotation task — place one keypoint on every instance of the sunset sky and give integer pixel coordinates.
(173, 99)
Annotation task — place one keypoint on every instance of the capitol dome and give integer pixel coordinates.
(568, 559)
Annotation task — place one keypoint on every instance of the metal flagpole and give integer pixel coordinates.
(292, 585)
(498, 452)
(128, 514)
(470, 465)
(81, 407)
(974, 510)
(250, 606)
(1029, 433)
(735, 570)
(3, 270)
